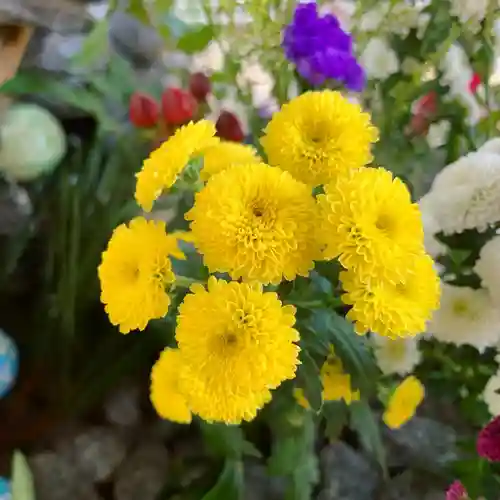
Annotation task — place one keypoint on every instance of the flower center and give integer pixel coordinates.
(460, 307)
(384, 223)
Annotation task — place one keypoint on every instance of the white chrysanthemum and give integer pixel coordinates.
(466, 316)
(437, 135)
(210, 60)
(491, 146)
(488, 268)
(379, 60)
(491, 396)
(399, 356)
(468, 193)
(428, 206)
(372, 19)
(471, 11)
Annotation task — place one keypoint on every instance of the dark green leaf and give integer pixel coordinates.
(350, 347)
(137, 9)
(95, 46)
(336, 418)
(303, 480)
(364, 422)
(309, 380)
(227, 441)
(195, 40)
(230, 484)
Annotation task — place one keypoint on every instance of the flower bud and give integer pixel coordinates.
(199, 86)
(178, 106)
(143, 110)
(229, 127)
(474, 83)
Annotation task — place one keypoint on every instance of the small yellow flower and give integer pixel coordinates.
(238, 343)
(393, 308)
(135, 272)
(318, 136)
(256, 223)
(165, 395)
(336, 382)
(370, 223)
(225, 154)
(165, 164)
(404, 402)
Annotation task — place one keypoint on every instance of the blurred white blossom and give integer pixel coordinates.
(487, 267)
(378, 59)
(399, 356)
(470, 11)
(437, 135)
(210, 60)
(491, 395)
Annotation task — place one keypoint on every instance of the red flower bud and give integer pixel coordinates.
(229, 127)
(199, 86)
(178, 106)
(474, 83)
(427, 105)
(143, 110)
(419, 125)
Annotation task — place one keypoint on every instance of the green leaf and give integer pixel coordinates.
(195, 40)
(310, 381)
(22, 479)
(95, 45)
(332, 328)
(230, 485)
(364, 422)
(336, 417)
(227, 441)
(136, 9)
(286, 455)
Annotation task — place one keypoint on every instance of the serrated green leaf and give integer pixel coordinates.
(23, 487)
(310, 381)
(353, 350)
(95, 45)
(364, 422)
(195, 40)
(230, 485)
(227, 441)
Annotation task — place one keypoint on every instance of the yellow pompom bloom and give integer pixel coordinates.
(221, 156)
(165, 395)
(257, 223)
(165, 164)
(318, 136)
(336, 382)
(370, 223)
(238, 343)
(134, 273)
(393, 308)
(404, 402)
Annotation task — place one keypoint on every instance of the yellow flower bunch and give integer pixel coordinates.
(262, 223)
(404, 402)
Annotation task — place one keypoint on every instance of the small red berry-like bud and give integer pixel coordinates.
(229, 127)
(419, 125)
(143, 110)
(474, 83)
(200, 86)
(178, 106)
(427, 105)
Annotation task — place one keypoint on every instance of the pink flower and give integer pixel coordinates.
(474, 83)
(457, 491)
(488, 441)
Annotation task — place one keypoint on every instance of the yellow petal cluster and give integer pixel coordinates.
(257, 223)
(318, 136)
(167, 399)
(404, 402)
(165, 164)
(223, 155)
(238, 343)
(135, 273)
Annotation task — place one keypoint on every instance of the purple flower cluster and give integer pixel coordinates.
(321, 50)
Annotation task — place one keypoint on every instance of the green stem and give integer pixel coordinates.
(186, 282)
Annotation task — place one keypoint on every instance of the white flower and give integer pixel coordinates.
(469, 10)
(254, 78)
(466, 316)
(437, 135)
(396, 355)
(210, 60)
(487, 267)
(491, 146)
(378, 59)
(403, 17)
(373, 18)
(342, 9)
(491, 396)
(432, 245)
(423, 22)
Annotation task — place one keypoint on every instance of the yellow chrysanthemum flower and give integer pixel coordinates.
(393, 308)
(404, 402)
(370, 223)
(336, 383)
(165, 395)
(319, 135)
(257, 223)
(238, 343)
(165, 164)
(221, 156)
(135, 272)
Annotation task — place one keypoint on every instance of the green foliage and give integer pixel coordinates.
(23, 487)
(195, 40)
(309, 379)
(96, 45)
(230, 483)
